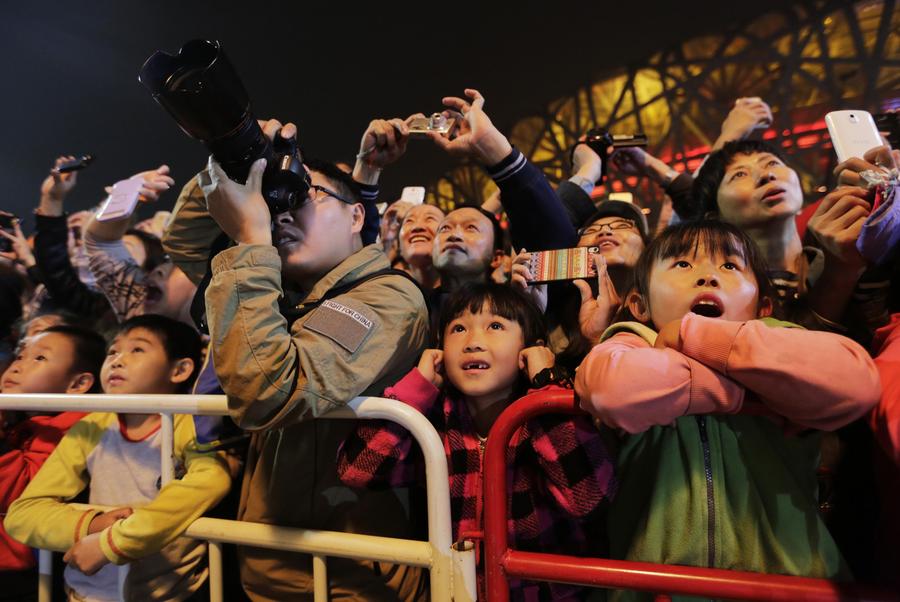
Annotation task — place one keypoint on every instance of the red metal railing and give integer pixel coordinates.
(501, 562)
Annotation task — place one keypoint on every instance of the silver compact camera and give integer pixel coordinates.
(437, 122)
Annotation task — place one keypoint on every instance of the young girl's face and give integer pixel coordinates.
(481, 354)
(710, 285)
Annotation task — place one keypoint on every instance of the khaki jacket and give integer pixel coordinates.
(278, 377)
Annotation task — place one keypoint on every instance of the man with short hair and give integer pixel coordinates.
(303, 318)
(468, 241)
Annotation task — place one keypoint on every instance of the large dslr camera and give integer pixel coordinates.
(201, 90)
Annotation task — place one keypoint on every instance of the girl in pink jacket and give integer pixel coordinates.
(719, 400)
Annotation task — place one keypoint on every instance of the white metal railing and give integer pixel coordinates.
(452, 574)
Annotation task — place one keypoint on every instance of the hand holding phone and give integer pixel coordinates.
(7, 224)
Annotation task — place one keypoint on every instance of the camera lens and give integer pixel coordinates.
(201, 90)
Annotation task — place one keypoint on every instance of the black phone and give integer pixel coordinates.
(75, 164)
(889, 123)
(6, 224)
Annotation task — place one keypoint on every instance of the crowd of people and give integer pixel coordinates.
(737, 368)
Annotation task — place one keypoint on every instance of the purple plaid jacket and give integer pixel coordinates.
(560, 477)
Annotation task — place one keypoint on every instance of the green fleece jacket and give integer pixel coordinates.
(723, 491)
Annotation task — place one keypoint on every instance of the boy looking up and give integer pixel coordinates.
(61, 359)
(117, 457)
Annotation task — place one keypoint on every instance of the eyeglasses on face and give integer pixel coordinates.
(616, 224)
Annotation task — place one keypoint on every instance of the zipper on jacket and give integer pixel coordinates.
(710, 494)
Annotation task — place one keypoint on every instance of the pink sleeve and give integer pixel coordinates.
(415, 390)
(885, 418)
(815, 379)
(632, 386)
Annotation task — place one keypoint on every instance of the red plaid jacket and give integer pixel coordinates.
(560, 476)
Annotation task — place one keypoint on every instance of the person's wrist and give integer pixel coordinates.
(661, 173)
(590, 172)
(365, 173)
(841, 271)
(94, 525)
(493, 149)
(50, 205)
(254, 237)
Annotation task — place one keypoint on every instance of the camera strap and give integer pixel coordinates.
(294, 313)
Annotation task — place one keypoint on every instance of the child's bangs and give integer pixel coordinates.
(716, 241)
(501, 300)
(479, 300)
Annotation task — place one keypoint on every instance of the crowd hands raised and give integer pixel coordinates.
(730, 344)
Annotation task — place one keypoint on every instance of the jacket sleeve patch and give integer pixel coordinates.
(344, 325)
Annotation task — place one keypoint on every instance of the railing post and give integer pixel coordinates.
(320, 578)
(214, 557)
(496, 542)
(45, 575)
(167, 448)
(436, 482)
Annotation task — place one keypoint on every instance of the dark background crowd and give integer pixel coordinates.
(733, 340)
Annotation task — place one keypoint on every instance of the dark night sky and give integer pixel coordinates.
(70, 72)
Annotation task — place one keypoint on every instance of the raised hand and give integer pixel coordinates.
(521, 276)
(477, 138)
(747, 115)
(57, 185)
(239, 209)
(878, 159)
(837, 222)
(595, 314)
(21, 250)
(384, 141)
(431, 365)
(534, 359)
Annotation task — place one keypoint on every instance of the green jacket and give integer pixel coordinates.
(723, 491)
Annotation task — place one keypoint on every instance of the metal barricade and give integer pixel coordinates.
(448, 580)
(501, 562)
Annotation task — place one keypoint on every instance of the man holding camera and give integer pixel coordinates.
(351, 327)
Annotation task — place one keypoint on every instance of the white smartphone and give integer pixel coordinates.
(122, 200)
(414, 195)
(852, 133)
(621, 196)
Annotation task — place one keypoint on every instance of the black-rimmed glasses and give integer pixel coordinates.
(616, 224)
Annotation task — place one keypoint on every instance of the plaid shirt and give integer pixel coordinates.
(559, 473)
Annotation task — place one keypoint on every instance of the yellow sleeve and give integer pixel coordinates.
(41, 518)
(179, 503)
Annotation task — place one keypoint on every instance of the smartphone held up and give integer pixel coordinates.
(563, 264)
(852, 132)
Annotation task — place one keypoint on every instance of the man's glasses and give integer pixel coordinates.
(320, 192)
(616, 224)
